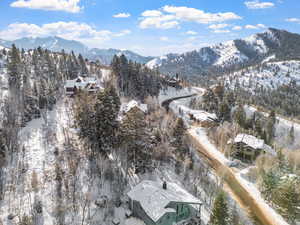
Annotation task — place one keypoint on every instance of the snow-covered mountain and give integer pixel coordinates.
(267, 75)
(232, 55)
(50, 43)
(105, 56)
(57, 44)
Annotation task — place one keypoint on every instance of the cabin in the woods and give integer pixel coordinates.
(173, 82)
(203, 119)
(247, 147)
(127, 107)
(89, 84)
(161, 203)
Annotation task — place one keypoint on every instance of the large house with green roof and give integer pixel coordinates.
(158, 203)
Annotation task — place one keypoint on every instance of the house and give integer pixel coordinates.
(173, 82)
(158, 203)
(199, 117)
(248, 147)
(89, 84)
(125, 108)
(203, 119)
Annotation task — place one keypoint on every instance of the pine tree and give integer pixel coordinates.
(13, 67)
(240, 116)
(287, 199)
(234, 216)
(270, 182)
(83, 67)
(3, 150)
(85, 118)
(97, 119)
(136, 139)
(219, 215)
(210, 102)
(219, 91)
(106, 113)
(271, 126)
(224, 112)
(291, 135)
(178, 135)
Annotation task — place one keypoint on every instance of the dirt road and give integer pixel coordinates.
(258, 207)
(239, 189)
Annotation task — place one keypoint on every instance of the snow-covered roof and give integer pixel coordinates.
(199, 115)
(130, 105)
(70, 83)
(154, 199)
(254, 142)
(204, 116)
(80, 82)
(90, 79)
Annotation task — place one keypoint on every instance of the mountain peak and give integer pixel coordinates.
(280, 44)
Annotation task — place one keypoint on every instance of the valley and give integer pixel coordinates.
(82, 129)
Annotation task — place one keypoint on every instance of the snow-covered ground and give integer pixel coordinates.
(283, 127)
(172, 92)
(106, 73)
(201, 136)
(229, 54)
(32, 176)
(268, 75)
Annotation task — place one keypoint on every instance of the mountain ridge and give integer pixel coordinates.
(57, 44)
(231, 55)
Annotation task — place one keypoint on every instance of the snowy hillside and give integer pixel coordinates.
(267, 75)
(228, 54)
(105, 56)
(222, 54)
(279, 45)
(282, 130)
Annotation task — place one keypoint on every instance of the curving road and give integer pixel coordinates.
(238, 188)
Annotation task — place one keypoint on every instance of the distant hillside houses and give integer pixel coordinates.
(248, 147)
(161, 203)
(89, 84)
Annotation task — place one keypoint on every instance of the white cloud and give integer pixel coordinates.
(259, 5)
(218, 26)
(237, 28)
(199, 16)
(68, 30)
(221, 31)
(293, 20)
(159, 22)
(151, 13)
(122, 15)
(71, 6)
(171, 17)
(191, 32)
(255, 27)
(164, 38)
(122, 33)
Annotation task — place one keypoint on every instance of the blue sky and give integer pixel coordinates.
(149, 27)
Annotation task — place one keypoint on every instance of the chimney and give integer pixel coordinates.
(165, 185)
